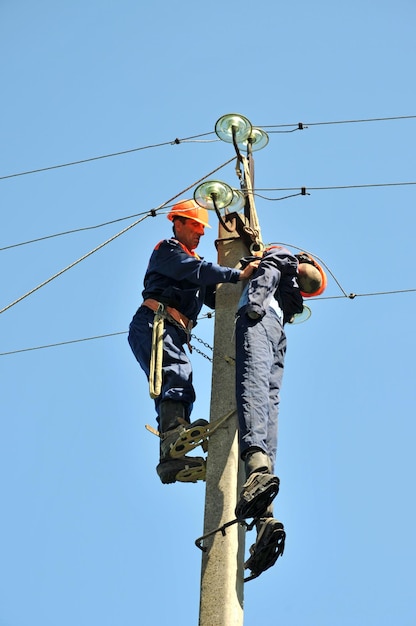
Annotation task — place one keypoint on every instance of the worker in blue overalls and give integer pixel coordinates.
(272, 297)
(177, 284)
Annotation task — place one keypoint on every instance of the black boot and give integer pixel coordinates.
(172, 423)
(269, 544)
(256, 460)
(260, 488)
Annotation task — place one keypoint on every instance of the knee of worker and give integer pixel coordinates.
(178, 387)
(141, 346)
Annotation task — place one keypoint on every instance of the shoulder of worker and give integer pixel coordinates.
(173, 245)
(169, 242)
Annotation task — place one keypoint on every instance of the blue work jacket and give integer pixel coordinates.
(182, 279)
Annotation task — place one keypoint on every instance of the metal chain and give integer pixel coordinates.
(228, 359)
(204, 344)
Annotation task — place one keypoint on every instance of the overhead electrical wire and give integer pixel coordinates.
(298, 190)
(350, 296)
(64, 343)
(73, 231)
(344, 295)
(294, 126)
(71, 265)
(301, 191)
(303, 125)
(102, 156)
(210, 315)
(152, 213)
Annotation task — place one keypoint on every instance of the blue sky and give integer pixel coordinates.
(88, 534)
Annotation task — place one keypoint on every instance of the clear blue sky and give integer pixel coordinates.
(88, 534)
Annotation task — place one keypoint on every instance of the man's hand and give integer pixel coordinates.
(248, 270)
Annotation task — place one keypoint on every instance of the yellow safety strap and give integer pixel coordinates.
(156, 356)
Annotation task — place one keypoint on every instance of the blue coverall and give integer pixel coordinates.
(183, 280)
(274, 295)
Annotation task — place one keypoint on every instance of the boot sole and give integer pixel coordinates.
(257, 494)
(269, 546)
(185, 470)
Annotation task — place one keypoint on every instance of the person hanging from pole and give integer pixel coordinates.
(272, 297)
(177, 283)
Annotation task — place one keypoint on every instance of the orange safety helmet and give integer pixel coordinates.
(191, 210)
(304, 257)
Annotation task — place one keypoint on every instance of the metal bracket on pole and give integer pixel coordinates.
(251, 208)
(242, 229)
(247, 184)
(221, 529)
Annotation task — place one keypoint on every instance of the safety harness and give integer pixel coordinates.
(162, 312)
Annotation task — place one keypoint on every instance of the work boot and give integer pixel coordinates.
(256, 461)
(185, 469)
(269, 545)
(171, 415)
(260, 488)
(177, 435)
(172, 423)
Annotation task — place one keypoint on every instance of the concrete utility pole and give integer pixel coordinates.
(222, 575)
(222, 584)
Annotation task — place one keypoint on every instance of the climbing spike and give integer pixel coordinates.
(152, 430)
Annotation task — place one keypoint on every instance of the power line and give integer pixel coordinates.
(122, 232)
(68, 267)
(350, 296)
(300, 191)
(64, 343)
(303, 190)
(303, 125)
(294, 126)
(75, 230)
(103, 156)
